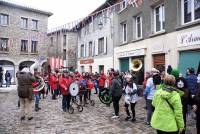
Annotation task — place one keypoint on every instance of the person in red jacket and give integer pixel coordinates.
(54, 85)
(102, 80)
(64, 83)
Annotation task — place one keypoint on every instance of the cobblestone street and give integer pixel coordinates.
(51, 119)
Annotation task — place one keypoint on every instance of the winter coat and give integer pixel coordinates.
(54, 82)
(150, 89)
(7, 77)
(131, 94)
(25, 85)
(167, 115)
(192, 84)
(116, 89)
(64, 85)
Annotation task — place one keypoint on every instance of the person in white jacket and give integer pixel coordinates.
(131, 98)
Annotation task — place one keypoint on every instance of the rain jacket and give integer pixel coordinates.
(168, 115)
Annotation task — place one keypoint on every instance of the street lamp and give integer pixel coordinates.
(100, 24)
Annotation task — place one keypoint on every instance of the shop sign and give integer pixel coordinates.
(132, 53)
(87, 61)
(189, 38)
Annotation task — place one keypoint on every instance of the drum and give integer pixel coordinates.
(74, 89)
(40, 85)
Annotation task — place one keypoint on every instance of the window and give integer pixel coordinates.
(3, 44)
(24, 46)
(34, 46)
(100, 45)
(4, 19)
(90, 48)
(51, 41)
(190, 10)
(159, 18)
(34, 24)
(24, 23)
(124, 32)
(64, 54)
(138, 22)
(123, 5)
(64, 40)
(82, 50)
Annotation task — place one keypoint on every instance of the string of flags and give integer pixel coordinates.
(75, 25)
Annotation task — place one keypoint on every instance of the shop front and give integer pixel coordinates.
(189, 50)
(134, 61)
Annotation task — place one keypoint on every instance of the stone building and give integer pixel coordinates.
(159, 33)
(23, 38)
(62, 46)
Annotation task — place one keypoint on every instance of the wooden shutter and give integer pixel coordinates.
(105, 45)
(96, 47)
(159, 59)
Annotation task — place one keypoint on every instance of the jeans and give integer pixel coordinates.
(116, 100)
(66, 101)
(132, 109)
(7, 83)
(150, 110)
(37, 98)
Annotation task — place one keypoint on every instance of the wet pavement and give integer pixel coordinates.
(52, 120)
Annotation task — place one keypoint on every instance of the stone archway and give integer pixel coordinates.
(6, 65)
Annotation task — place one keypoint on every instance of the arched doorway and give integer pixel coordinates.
(6, 65)
(26, 63)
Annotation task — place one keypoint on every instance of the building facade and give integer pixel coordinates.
(62, 48)
(23, 37)
(96, 40)
(159, 33)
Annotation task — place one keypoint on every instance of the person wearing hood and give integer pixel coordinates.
(131, 98)
(168, 117)
(25, 92)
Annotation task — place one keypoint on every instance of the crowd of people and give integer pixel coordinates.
(167, 96)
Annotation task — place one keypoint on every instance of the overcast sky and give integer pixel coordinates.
(64, 11)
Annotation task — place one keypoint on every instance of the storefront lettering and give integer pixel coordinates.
(131, 53)
(187, 39)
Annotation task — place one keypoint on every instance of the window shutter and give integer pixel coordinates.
(79, 51)
(87, 49)
(96, 47)
(84, 55)
(93, 48)
(105, 45)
